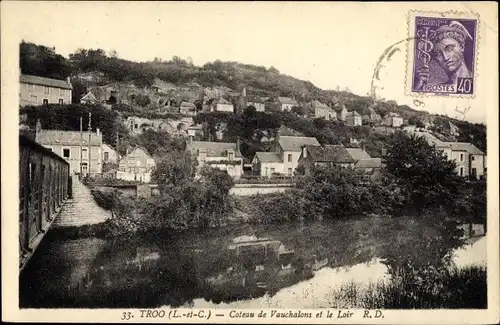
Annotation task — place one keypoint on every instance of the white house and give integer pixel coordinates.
(287, 103)
(221, 155)
(287, 150)
(136, 166)
(353, 118)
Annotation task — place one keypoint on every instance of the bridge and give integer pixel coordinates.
(49, 197)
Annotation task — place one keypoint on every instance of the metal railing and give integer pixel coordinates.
(44, 185)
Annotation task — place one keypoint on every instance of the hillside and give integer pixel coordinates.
(180, 80)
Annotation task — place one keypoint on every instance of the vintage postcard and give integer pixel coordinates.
(250, 162)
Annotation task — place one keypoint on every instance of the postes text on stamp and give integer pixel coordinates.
(442, 54)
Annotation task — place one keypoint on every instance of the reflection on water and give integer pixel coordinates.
(287, 266)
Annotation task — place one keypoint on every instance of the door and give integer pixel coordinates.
(85, 169)
(474, 172)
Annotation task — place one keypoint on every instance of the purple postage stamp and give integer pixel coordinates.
(442, 54)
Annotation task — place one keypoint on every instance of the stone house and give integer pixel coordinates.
(73, 146)
(89, 98)
(353, 118)
(109, 154)
(469, 159)
(286, 103)
(326, 156)
(225, 156)
(187, 108)
(34, 90)
(393, 119)
(288, 150)
(221, 105)
(256, 102)
(321, 110)
(136, 166)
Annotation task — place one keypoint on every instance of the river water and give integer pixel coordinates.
(264, 266)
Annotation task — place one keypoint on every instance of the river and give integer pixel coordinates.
(252, 266)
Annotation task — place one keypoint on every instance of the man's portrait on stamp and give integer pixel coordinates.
(444, 55)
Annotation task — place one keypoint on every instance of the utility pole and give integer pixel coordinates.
(117, 146)
(90, 139)
(81, 143)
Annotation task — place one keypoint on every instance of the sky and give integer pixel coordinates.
(329, 44)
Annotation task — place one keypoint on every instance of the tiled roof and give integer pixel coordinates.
(268, 157)
(330, 153)
(358, 153)
(291, 143)
(369, 163)
(214, 149)
(24, 78)
(353, 113)
(287, 100)
(255, 99)
(188, 104)
(432, 140)
(318, 104)
(67, 138)
(465, 146)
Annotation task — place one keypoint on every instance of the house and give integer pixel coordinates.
(88, 98)
(288, 149)
(109, 154)
(222, 155)
(221, 105)
(341, 113)
(266, 164)
(358, 153)
(187, 108)
(469, 159)
(368, 165)
(353, 118)
(34, 90)
(73, 146)
(326, 156)
(195, 131)
(256, 102)
(286, 103)
(321, 110)
(393, 119)
(136, 166)
(369, 168)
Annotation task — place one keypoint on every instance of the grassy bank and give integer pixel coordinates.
(450, 288)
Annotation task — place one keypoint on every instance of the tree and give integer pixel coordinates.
(427, 178)
(174, 169)
(142, 100)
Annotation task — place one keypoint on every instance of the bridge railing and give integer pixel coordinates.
(44, 185)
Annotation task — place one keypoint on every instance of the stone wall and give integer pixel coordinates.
(254, 189)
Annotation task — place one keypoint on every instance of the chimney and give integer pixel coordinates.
(98, 132)
(68, 80)
(304, 152)
(238, 144)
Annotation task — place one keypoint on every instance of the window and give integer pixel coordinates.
(136, 126)
(106, 156)
(85, 153)
(461, 171)
(461, 157)
(273, 170)
(289, 172)
(61, 101)
(472, 158)
(474, 172)
(31, 87)
(66, 153)
(45, 101)
(46, 90)
(289, 157)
